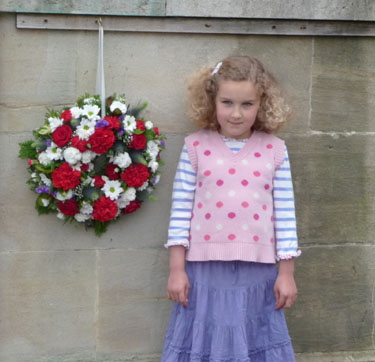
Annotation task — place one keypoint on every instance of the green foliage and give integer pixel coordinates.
(40, 207)
(100, 227)
(100, 164)
(27, 151)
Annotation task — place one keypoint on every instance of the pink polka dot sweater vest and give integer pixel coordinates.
(233, 206)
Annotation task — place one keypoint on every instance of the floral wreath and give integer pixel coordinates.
(90, 169)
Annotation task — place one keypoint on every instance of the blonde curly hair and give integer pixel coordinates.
(203, 87)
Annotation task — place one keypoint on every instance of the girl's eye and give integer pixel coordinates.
(227, 102)
(248, 104)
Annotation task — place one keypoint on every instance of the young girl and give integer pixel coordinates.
(232, 218)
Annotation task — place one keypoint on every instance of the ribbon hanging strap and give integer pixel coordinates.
(100, 86)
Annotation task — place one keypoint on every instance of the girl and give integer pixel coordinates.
(232, 218)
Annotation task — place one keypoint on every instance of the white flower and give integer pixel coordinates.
(86, 208)
(45, 179)
(88, 181)
(60, 216)
(130, 124)
(112, 189)
(72, 155)
(44, 159)
(118, 105)
(122, 160)
(88, 156)
(153, 165)
(85, 129)
(149, 125)
(143, 187)
(76, 112)
(126, 197)
(91, 111)
(45, 202)
(33, 176)
(54, 123)
(152, 149)
(53, 152)
(149, 190)
(90, 100)
(82, 217)
(64, 195)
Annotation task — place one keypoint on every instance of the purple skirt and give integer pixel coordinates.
(230, 317)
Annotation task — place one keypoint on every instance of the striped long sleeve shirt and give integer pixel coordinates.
(284, 210)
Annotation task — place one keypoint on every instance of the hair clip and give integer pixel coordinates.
(217, 68)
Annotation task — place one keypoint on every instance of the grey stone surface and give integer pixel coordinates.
(115, 7)
(47, 304)
(334, 310)
(343, 85)
(299, 9)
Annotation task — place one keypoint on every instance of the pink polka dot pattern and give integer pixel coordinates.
(200, 205)
(207, 216)
(266, 186)
(207, 237)
(256, 173)
(244, 182)
(256, 238)
(269, 146)
(207, 173)
(264, 207)
(271, 218)
(272, 240)
(231, 215)
(256, 217)
(207, 152)
(245, 204)
(219, 182)
(196, 143)
(219, 204)
(192, 215)
(232, 171)
(231, 236)
(200, 184)
(257, 154)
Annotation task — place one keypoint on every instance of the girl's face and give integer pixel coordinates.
(237, 104)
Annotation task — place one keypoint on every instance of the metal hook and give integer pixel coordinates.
(99, 21)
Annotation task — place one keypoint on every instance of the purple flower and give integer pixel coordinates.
(121, 131)
(48, 142)
(54, 193)
(42, 190)
(101, 123)
(162, 143)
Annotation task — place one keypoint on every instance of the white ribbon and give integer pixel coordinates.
(100, 86)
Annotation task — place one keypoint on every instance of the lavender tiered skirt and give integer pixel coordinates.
(231, 316)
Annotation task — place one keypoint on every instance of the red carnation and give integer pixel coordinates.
(65, 177)
(85, 167)
(81, 145)
(66, 116)
(156, 130)
(140, 125)
(114, 122)
(104, 209)
(133, 206)
(138, 142)
(111, 171)
(69, 207)
(99, 182)
(135, 175)
(102, 140)
(62, 135)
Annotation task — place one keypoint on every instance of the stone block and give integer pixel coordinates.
(334, 309)
(47, 304)
(116, 7)
(334, 189)
(300, 9)
(343, 85)
(132, 326)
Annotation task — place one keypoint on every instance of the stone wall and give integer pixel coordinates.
(66, 295)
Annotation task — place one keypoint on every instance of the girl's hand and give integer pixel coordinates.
(178, 287)
(285, 287)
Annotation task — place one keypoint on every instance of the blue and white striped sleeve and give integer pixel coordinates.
(182, 202)
(284, 212)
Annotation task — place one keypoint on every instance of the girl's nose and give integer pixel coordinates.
(236, 113)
